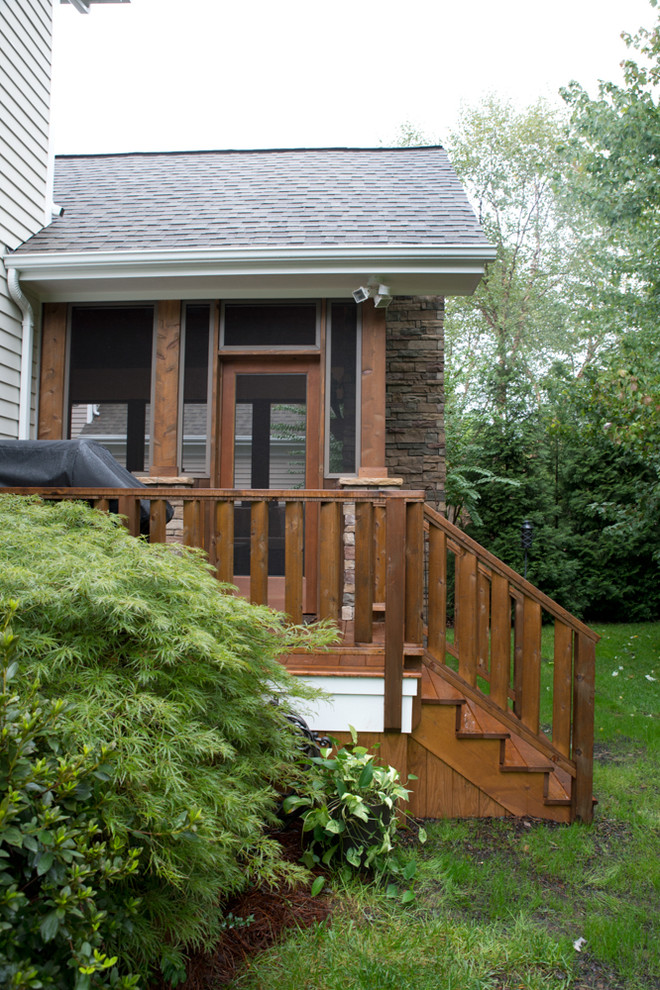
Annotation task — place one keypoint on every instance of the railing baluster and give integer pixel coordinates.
(224, 541)
(437, 624)
(380, 553)
(414, 572)
(562, 688)
(483, 623)
(157, 520)
(518, 655)
(466, 627)
(293, 561)
(330, 574)
(364, 572)
(259, 553)
(193, 531)
(500, 641)
(129, 507)
(531, 668)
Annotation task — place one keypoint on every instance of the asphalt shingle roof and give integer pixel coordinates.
(334, 197)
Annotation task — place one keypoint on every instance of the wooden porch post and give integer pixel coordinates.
(584, 676)
(372, 430)
(52, 417)
(164, 440)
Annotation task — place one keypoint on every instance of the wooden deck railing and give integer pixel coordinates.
(498, 618)
(405, 555)
(389, 555)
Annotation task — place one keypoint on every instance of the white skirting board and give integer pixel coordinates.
(356, 701)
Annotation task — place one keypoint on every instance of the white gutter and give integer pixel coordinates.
(25, 386)
(388, 259)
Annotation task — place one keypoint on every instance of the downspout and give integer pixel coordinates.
(25, 387)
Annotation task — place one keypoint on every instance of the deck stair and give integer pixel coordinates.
(456, 731)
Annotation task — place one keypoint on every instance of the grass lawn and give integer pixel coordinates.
(500, 903)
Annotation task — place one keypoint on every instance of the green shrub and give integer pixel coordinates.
(178, 679)
(57, 864)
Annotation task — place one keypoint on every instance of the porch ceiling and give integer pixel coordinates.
(267, 272)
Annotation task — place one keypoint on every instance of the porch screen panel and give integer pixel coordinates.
(342, 390)
(110, 380)
(195, 419)
(270, 325)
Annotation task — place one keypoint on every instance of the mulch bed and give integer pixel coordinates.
(274, 913)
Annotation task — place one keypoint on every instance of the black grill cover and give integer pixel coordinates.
(67, 464)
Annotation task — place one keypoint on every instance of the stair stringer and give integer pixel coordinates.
(444, 745)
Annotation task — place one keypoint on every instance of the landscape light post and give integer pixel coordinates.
(526, 540)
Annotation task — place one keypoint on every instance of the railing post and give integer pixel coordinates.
(583, 726)
(395, 538)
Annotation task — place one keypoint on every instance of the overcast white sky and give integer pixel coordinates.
(160, 75)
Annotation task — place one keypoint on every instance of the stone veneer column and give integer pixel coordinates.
(175, 525)
(415, 433)
(372, 484)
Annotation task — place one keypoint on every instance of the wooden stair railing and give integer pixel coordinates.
(498, 619)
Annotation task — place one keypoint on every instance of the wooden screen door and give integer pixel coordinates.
(270, 439)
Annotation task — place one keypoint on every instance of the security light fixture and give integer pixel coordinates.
(382, 297)
(361, 295)
(374, 290)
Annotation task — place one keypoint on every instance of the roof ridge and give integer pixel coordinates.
(249, 151)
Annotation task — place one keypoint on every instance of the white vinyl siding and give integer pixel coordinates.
(25, 46)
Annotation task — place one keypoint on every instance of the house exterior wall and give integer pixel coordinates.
(415, 434)
(25, 59)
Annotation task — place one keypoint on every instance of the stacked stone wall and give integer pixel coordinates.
(415, 441)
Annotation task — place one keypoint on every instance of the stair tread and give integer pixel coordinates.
(518, 753)
(436, 690)
(474, 721)
(555, 791)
